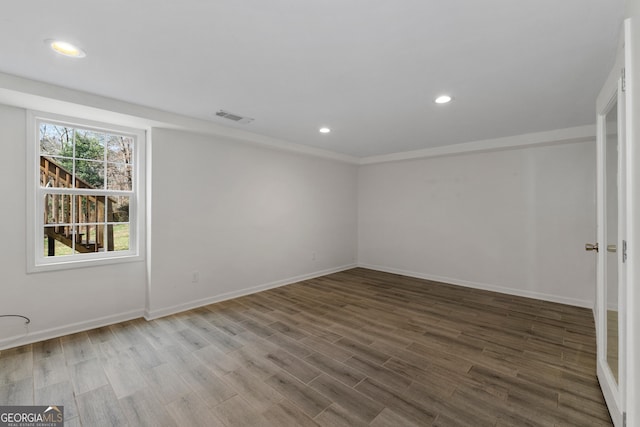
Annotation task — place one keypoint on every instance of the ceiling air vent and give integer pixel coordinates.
(235, 117)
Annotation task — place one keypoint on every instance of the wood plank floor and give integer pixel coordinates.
(356, 348)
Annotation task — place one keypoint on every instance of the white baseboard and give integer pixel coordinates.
(46, 334)
(166, 311)
(483, 286)
(30, 338)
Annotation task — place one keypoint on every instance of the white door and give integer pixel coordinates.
(611, 245)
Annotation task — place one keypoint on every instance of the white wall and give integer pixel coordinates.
(57, 302)
(243, 216)
(515, 221)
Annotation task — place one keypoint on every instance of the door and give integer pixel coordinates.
(611, 245)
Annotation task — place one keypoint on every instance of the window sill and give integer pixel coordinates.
(83, 263)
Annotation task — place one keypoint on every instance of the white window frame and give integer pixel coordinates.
(36, 261)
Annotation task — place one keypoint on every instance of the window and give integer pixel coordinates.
(87, 192)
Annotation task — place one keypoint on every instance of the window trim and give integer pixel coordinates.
(36, 261)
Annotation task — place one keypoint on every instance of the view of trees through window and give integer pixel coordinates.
(87, 179)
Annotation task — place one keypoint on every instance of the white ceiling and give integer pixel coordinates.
(369, 69)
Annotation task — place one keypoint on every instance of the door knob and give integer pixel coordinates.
(591, 247)
(611, 248)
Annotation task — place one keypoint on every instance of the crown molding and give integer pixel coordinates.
(30, 94)
(35, 95)
(553, 137)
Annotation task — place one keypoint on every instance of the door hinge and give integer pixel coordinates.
(624, 251)
(624, 80)
(624, 419)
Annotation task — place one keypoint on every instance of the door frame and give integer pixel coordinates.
(632, 66)
(614, 391)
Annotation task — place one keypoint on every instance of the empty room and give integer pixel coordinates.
(355, 213)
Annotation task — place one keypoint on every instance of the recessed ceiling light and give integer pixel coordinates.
(66, 48)
(324, 130)
(443, 99)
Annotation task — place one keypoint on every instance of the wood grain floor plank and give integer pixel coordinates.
(15, 366)
(461, 412)
(399, 403)
(100, 408)
(261, 317)
(78, 348)
(313, 329)
(507, 412)
(348, 398)
(255, 391)
(49, 370)
(286, 414)
(210, 388)
(44, 349)
(441, 357)
(351, 333)
(379, 373)
(87, 375)
(171, 323)
(362, 350)
(142, 409)
(126, 333)
(220, 363)
(258, 328)
(220, 340)
(593, 410)
(165, 383)
(293, 365)
(190, 410)
(180, 359)
(157, 335)
(145, 356)
(123, 374)
(237, 412)
(17, 393)
(289, 344)
(327, 348)
(336, 416)
(288, 330)
(190, 339)
(335, 369)
(253, 359)
(388, 418)
(73, 422)
(307, 399)
(60, 394)
(100, 335)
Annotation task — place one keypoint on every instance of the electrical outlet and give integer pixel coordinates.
(313, 256)
(195, 276)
